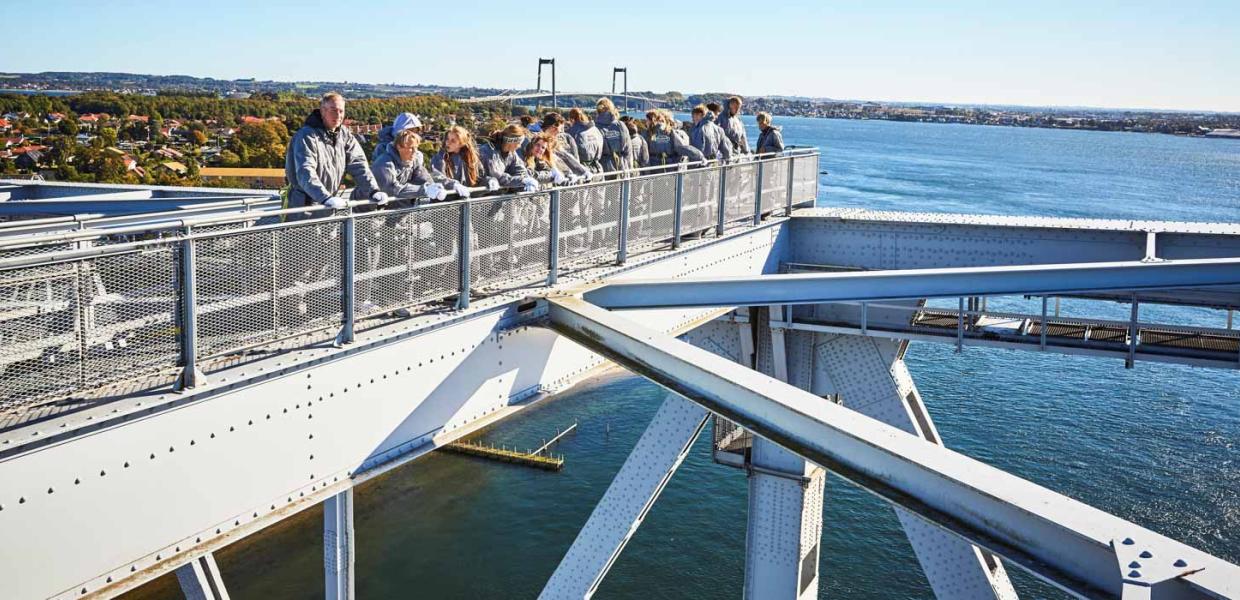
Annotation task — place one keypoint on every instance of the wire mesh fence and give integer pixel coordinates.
(774, 185)
(508, 241)
(699, 208)
(589, 225)
(739, 192)
(652, 203)
(805, 178)
(82, 323)
(406, 257)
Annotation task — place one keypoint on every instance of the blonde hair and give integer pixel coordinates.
(469, 155)
(605, 105)
(548, 153)
(577, 115)
(764, 117)
(699, 110)
(407, 137)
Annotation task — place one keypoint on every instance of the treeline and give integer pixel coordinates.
(292, 108)
(205, 122)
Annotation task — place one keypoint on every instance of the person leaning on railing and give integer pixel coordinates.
(500, 160)
(458, 162)
(553, 124)
(387, 135)
(319, 155)
(770, 140)
(549, 165)
(668, 143)
(708, 137)
(401, 174)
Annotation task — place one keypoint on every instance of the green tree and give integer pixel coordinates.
(108, 136)
(68, 126)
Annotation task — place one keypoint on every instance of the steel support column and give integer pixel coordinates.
(872, 379)
(784, 529)
(200, 579)
(1063, 541)
(338, 546)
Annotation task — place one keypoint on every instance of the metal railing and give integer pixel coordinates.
(87, 315)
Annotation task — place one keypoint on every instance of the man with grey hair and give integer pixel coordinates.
(319, 155)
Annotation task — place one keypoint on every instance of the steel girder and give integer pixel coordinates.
(1066, 542)
(815, 288)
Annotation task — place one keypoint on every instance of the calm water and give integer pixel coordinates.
(1158, 444)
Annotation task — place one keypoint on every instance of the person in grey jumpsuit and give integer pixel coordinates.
(588, 138)
(320, 154)
(770, 140)
(617, 152)
(733, 128)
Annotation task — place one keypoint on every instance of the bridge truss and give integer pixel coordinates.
(172, 395)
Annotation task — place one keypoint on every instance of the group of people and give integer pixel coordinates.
(554, 151)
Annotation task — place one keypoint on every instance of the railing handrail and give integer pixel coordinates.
(100, 251)
(35, 240)
(625, 217)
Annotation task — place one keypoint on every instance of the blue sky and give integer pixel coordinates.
(1136, 54)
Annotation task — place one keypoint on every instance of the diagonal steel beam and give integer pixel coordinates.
(1064, 541)
(628, 499)
(815, 288)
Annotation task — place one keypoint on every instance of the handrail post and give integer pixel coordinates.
(462, 299)
(677, 207)
(348, 272)
(191, 375)
(791, 178)
(553, 243)
(626, 189)
(757, 196)
(723, 203)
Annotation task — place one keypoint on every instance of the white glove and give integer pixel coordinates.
(460, 188)
(335, 203)
(531, 184)
(380, 198)
(434, 191)
(557, 177)
(682, 166)
(492, 184)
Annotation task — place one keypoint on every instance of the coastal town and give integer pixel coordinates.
(179, 130)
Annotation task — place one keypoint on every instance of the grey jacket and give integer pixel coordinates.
(770, 140)
(317, 160)
(507, 169)
(440, 163)
(617, 153)
(669, 148)
(401, 180)
(385, 139)
(709, 138)
(589, 144)
(641, 151)
(568, 144)
(734, 129)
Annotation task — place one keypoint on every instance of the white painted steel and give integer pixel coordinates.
(813, 288)
(872, 380)
(264, 439)
(628, 499)
(200, 579)
(784, 527)
(1059, 539)
(338, 546)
